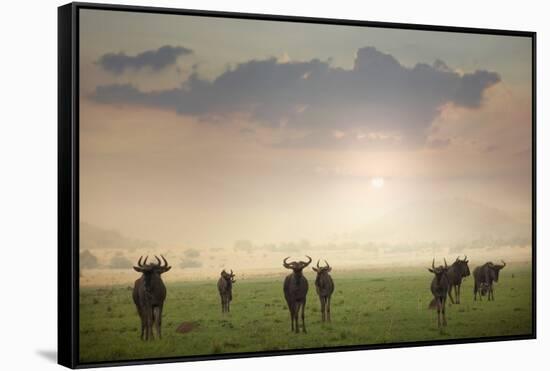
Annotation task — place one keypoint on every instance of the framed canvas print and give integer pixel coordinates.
(241, 185)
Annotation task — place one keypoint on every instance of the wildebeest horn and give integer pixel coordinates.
(285, 264)
(139, 261)
(503, 263)
(328, 266)
(145, 261)
(165, 262)
(232, 272)
(158, 260)
(445, 260)
(306, 264)
(457, 258)
(465, 257)
(433, 263)
(317, 263)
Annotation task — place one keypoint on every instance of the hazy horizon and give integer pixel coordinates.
(233, 143)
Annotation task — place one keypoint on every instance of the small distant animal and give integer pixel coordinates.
(295, 289)
(456, 274)
(149, 295)
(225, 287)
(484, 277)
(440, 288)
(325, 287)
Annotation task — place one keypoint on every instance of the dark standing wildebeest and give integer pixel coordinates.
(225, 287)
(440, 288)
(325, 288)
(456, 273)
(295, 289)
(149, 294)
(484, 277)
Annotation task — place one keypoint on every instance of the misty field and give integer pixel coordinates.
(367, 308)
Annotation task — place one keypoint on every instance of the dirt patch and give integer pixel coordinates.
(186, 327)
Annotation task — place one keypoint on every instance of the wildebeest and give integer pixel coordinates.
(149, 295)
(225, 287)
(325, 287)
(440, 287)
(456, 273)
(295, 289)
(485, 275)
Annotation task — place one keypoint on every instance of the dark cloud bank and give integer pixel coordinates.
(158, 59)
(378, 100)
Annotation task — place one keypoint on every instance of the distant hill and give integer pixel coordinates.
(93, 237)
(444, 221)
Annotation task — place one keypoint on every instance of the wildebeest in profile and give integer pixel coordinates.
(456, 273)
(295, 289)
(225, 287)
(325, 287)
(484, 277)
(149, 295)
(440, 288)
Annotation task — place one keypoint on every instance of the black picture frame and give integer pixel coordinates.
(68, 179)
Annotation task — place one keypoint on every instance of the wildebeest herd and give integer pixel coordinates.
(149, 291)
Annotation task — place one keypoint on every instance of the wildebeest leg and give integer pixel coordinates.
(141, 319)
(142, 327)
(291, 310)
(457, 293)
(450, 296)
(148, 324)
(491, 295)
(328, 308)
(296, 312)
(303, 315)
(438, 312)
(322, 300)
(443, 311)
(156, 320)
(475, 292)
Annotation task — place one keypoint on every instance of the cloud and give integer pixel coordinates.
(158, 59)
(378, 102)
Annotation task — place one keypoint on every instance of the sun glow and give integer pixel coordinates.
(377, 182)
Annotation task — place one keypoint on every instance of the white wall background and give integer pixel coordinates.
(28, 155)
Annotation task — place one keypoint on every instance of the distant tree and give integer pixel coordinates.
(119, 261)
(190, 263)
(88, 260)
(192, 253)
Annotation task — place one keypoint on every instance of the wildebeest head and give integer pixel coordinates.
(322, 270)
(438, 271)
(496, 269)
(228, 276)
(296, 266)
(150, 270)
(462, 265)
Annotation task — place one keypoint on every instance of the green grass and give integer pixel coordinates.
(367, 308)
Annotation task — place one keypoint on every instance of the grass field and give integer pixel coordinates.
(367, 308)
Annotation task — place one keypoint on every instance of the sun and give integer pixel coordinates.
(377, 182)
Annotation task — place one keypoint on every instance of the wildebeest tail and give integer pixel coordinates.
(433, 304)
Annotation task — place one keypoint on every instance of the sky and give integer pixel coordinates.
(207, 133)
